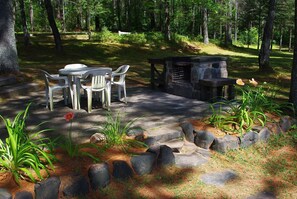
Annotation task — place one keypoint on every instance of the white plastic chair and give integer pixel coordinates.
(99, 83)
(118, 79)
(54, 82)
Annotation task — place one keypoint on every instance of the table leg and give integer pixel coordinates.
(71, 90)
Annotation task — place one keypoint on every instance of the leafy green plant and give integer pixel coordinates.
(134, 38)
(21, 154)
(73, 149)
(106, 36)
(116, 131)
(249, 109)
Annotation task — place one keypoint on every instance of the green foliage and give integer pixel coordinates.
(156, 38)
(106, 36)
(22, 155)
(248, 37)
(239, 116)
(77, 150)
(116, 131)
(134, 38)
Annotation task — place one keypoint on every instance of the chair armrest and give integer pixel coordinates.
(56, 77)
(117, 74)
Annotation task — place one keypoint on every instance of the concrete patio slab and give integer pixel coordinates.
(152, 108)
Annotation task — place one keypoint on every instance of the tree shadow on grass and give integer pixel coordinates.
(281, 166)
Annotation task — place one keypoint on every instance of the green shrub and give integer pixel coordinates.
(116, 131)
(253, 103)
(134, 38)
(248, 37)
(155, 38)
(106, 36)
(22, 155)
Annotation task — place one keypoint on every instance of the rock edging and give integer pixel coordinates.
(208, 140)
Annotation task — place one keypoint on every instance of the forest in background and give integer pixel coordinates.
(226, 21)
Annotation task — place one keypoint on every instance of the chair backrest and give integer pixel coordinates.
(55, 78)
(98, 77)
(121, 72)
(46, 77)
(74, 66)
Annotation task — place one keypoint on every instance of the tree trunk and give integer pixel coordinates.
(24, 23)
(236, 21)
(259, 29)
(52, 22)
(194, 19)
(293, 89)
(97, 23)
(62, 3)
(119, 14)
(31, 11)
(167, 21)
(281, 39)
(8, 50)
(290, 39)
(152, 17)
(264, 54)
(205, 28)
(228, 32)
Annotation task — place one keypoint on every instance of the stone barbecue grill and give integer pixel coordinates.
(199, 77)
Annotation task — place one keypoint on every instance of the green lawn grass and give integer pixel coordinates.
(242, 62)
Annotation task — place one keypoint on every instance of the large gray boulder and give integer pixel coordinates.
(121, 170)
(78, 187)
(264, 134)
(226, 143)
(188, 131)
(23, 195)
(204, 139)
(4, 194)
(47, 189)
(143, 163)
(248, 139)
(166, 157)
(99, 175)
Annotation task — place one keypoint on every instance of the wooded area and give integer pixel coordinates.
(237, 21)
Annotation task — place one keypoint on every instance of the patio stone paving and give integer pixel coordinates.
(153, 108)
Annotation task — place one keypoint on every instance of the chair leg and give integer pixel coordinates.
(46, 98)
(125, 94)
(106, 92)
(89, 96)
(119, 92)
(51, 99)
(65, 96)
(102, 97)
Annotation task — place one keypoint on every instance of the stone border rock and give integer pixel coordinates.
(194, 151)
(99, 175)
(208, 140)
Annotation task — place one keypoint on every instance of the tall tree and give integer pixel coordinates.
(205, 26)
(52, 22)
(228, 27)
(293, 89)
(24, 23)
(264, 53)
(8, 51)
(167, 21)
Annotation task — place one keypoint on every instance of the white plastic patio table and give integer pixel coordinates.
(73, 77)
